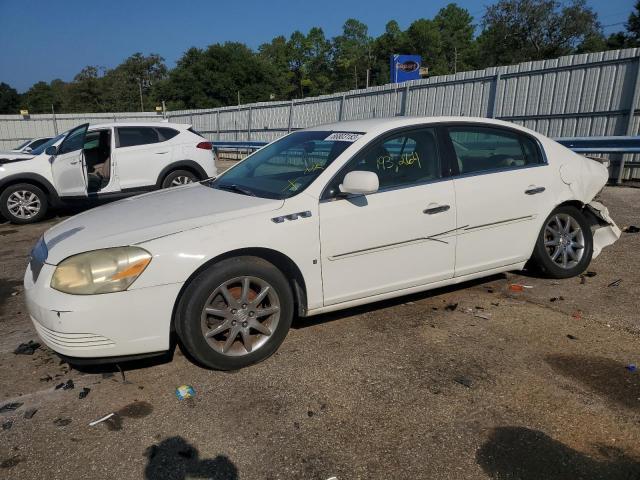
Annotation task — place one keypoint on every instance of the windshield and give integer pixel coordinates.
(47, 144)
(287, 166)
(22, 145)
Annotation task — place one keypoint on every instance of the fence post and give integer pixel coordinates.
(405, 101)
(341, 110)
(290, 116)
(494, 99)
(249, 126)
(218, 124)
(632, 111)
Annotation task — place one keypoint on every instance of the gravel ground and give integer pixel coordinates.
(528, 385)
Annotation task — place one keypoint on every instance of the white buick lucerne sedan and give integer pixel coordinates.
(322, 219)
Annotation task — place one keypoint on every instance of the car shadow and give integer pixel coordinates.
(525, 454)
(304, 322)
(176, 459)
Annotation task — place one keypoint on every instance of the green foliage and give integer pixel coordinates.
(310, 64)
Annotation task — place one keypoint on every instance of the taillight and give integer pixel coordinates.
(205, 145)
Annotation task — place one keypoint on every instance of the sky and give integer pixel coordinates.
(47, 39)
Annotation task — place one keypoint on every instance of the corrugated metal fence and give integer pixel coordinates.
(579, 95)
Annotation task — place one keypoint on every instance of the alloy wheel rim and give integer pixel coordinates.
(181, 180)
(240, 316)
(564, 241)
(23, 204)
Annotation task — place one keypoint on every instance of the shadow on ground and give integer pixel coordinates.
(176, 459)
(605, 376)
(524, 454)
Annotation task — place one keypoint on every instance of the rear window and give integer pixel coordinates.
(167, 133)
(195, 132)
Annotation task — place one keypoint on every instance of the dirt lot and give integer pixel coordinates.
(528, 385)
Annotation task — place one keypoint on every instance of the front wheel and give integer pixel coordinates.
(565, 244)
(23, 203)
(178, 178)
(235, 314)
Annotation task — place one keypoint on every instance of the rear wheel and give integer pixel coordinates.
(23, 203)
(178, 178)
(235, 313)
(565, 244)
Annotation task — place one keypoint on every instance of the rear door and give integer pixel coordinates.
(140, 155)
(501, 181)
(68, 166)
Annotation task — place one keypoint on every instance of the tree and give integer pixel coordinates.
(39, 98)
(9, 99)
(523, 30)
(129, 86)
(352, 55)
(456, 31)
(392, 41)
(424, 38)
(633, 26)
(85, 93)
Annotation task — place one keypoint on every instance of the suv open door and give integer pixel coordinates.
(68, 166)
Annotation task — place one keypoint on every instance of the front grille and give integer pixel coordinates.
(73, 340)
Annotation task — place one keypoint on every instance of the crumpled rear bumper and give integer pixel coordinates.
(607, 232)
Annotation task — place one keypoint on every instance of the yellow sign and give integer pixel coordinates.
(24, 113)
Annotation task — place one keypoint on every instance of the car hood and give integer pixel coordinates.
(6, 157)
(152, 215)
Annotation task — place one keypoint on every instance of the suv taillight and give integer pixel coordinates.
(205, 145)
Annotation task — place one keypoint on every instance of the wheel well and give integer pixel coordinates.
(185, 168)
(278, 259)
(572, 203)
(15, 181)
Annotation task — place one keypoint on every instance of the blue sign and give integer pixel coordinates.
(405, 67)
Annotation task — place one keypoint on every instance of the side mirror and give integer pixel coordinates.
(359, 182)
(52, 151)
(27, 150)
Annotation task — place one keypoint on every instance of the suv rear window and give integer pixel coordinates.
(167, 133)
(195, 132)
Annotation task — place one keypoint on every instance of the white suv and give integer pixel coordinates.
(102, 162)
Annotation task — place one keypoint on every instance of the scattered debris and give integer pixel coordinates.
(615, 283)
(571, 337)
(486, 316)
(577, 315)
(451, 307)
(495, 304)
(29, 413)
(185, 391)
(84, 392)
(7, 425)
(589, 274)
(121, 372)
(517, 287)
(27, 348)
(100, 420)
(631, 229)
(62, 422)
(631, 367)
(462, 380)
(68, 385)
(107, 374)
(48, 378)
(10, 407)
(553, 299)
(310, 413)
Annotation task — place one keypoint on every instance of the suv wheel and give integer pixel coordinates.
(565, 244)
(235, 313)
(23, 203)
(178, 178)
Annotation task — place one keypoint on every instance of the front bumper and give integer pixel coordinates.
(132, 322)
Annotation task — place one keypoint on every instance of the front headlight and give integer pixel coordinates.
(100, 271)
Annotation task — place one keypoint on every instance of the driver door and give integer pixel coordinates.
(68, 166)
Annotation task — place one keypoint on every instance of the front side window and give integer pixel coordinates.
(480, 149)
(402, 159)
(287, 166)
(75, 141)
(133, 136)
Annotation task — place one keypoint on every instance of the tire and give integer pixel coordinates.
(178, 178)
(579, 234)
(224, 317)
(23, 203)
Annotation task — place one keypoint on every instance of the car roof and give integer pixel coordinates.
(178, 126)
(379, 125)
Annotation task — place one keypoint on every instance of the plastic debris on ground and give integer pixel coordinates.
(68, 385)
(571, 337)
(631, 367)
(185, 391)
(84, 392)
(631, 229)
(451, 307)
(517, 287)
(615, 283)
(10, 407)
(554, 299)
(577, 315)
(62, 422)
(27, 348)
(465, 381)
(100, 420)
(7, 425)
(29, 413)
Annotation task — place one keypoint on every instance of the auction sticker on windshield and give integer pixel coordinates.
(343, 137)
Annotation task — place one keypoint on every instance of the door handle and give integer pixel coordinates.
(74, 163)
(161, 153)
(438, 209)
(534, 190)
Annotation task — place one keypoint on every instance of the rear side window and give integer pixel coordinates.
(133, 136)
(195, 132)
(482, 149)
(167, 133)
